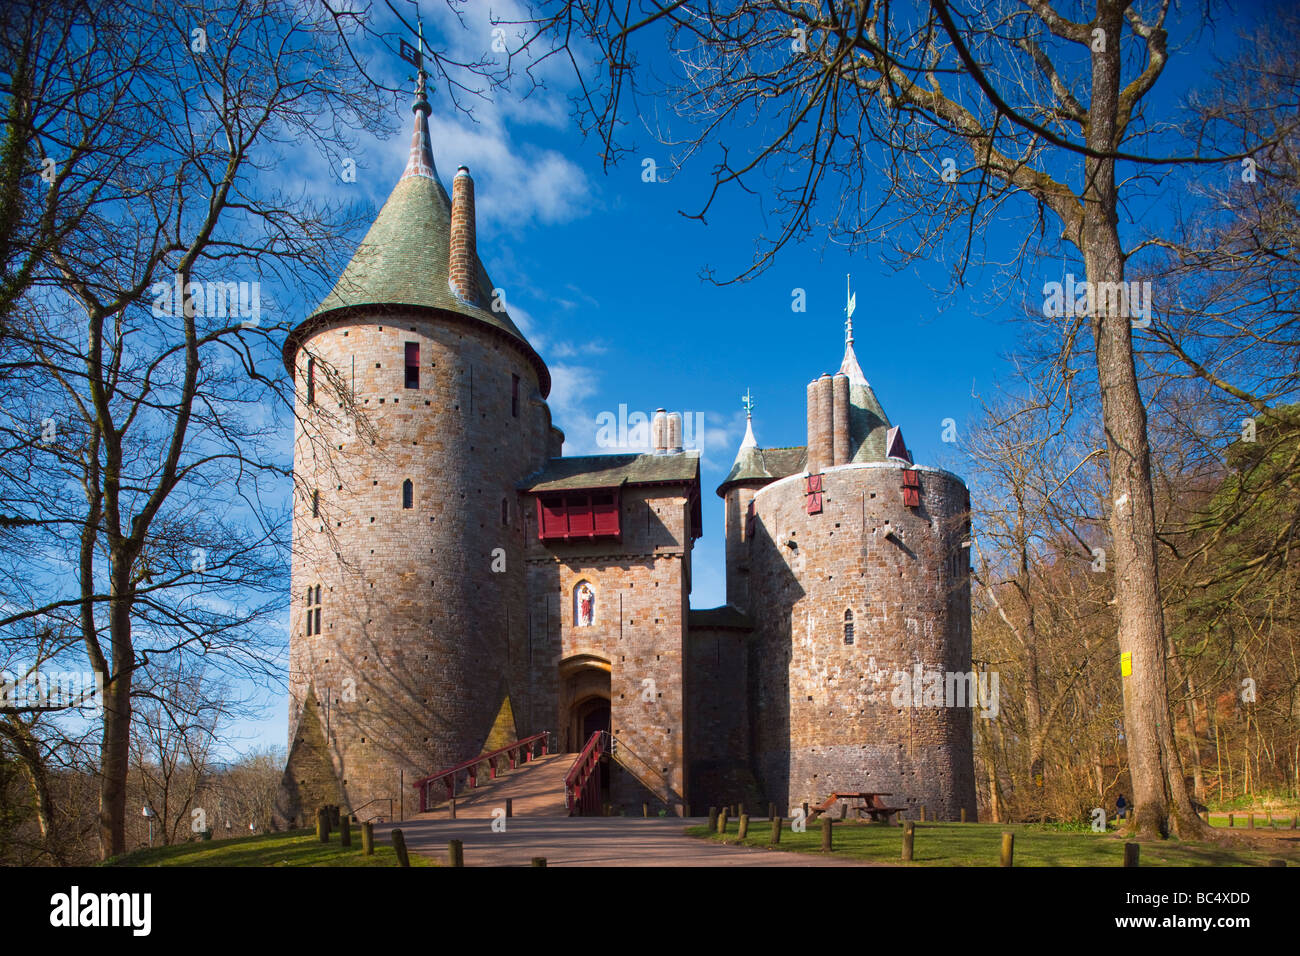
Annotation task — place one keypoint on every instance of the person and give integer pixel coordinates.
(1121, 807)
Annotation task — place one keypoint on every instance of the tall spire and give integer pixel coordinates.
(850, 366)
(747, 400)
(420, 162)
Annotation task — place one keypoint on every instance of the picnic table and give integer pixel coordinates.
(870, 804)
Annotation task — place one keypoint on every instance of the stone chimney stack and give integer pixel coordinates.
(659, 431)
(840, 420)
(462, 260)
(674, 433)
(821, 404)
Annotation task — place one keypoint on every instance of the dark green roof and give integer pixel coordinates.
(402, 263)
(613, 471)
(727, 618)
(764, 465)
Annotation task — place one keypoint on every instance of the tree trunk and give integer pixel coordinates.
(115, 752)
(1160, 796)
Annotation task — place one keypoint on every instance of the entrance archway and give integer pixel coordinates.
(584, 699)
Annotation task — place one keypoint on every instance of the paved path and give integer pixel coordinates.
(588, 841)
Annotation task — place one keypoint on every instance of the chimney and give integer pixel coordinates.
(659, 432)
(820, 411)
(840, 425)
(462, 259)
(674, 433)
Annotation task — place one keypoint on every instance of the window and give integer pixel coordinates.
(313, 611)
(311, 380)
(412, 364)
(848, 627)
(315, 504)
(514, 395)
(408, 494)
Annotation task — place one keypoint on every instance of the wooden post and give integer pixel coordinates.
(923, 813)
(722, 820)
(713, 819)
(1294, 817)
(452, 806)
(455, 853)
(345, 831)
(368, 838)
(323, 825)
(645, 810)
(740, 810)
(1008, 848)
(686, 811)
(909, 832)
(1131, 854)
(963, 814)
(510, 807)
(771, 811)
(399, 844)
(827, 840)
(539, 861)
(1232, 820)
(776, 830)
(1250, 821)
(844, 811)
(744, 826)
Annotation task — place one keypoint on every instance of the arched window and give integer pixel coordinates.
(848, 627)
(408, 494)
(311, 380)
(584, 604)
(313, 611)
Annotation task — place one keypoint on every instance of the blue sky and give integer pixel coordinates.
(603, 273)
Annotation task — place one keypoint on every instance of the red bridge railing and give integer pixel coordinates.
(582, 785)
(511, 752)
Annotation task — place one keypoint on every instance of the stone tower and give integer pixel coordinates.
(420, 405)
(848, 559)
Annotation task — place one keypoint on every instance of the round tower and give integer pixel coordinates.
(420, 406)
(858, 587)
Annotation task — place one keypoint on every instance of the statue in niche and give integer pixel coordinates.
(585, 600)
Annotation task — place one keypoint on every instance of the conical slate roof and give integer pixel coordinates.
(403, 261)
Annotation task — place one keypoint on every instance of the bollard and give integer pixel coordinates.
(923, 813)
(1250, 821)
(1294, 817)
(455, 853)
(1008, 848)
(963, 814)
(452, 807)
(1232, 820)
(744, 826)
(722, 820)
(345, 831)
(323, 825)
(827, 839)
(1277, 862)
(776, 830)
(909, 834)
(368, 838)
(334, 816)
(844, 811)
(399, 844)
(645, 809)
(1131, 854)
(539, 861)
(686, 811)
(510, 807)
(713, 819)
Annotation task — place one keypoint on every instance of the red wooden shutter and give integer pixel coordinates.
(912, 497)
(815, 503)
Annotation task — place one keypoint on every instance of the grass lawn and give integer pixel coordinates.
(979, 844)
(294, 848)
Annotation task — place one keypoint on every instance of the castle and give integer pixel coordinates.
(459, 584)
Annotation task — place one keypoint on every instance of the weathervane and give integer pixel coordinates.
(747, 401)
(850, 302)
(414, 55)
